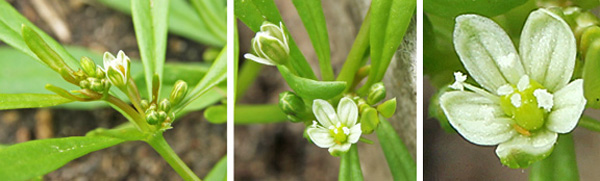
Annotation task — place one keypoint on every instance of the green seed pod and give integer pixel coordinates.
(144, 104)
(88, 66)
(164, 105)
(291, 103)
(368, 120)
(387, 108)
(376, 93)
(178, 93)
(152, 118)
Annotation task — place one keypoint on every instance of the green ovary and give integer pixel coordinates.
(528, 115)
(338, 135)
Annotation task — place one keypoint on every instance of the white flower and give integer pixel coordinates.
(336, 131)
(270, 45)
(526, 97)
(117, 69)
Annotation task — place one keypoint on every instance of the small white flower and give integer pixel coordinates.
(270, 45)
(527, 98)
(117, 69)
(338, 131)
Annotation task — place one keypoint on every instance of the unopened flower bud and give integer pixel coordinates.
(88, 66)
(117, 69)
(270, 45)
(152, 118)
(144, 104)
(291, 103)
(85, 84)
(164, 105)
(97, 86)
(100, 73)
(376, 93)
(387, 108)
(368, 120)
(178, 93)
(162, 116)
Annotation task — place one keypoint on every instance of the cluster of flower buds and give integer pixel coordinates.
(92, 76)
(369, 113)
(270, 45)
(160, 115)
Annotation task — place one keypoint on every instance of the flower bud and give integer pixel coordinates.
(96, 86)
(88, 66)
(368, 120)
(164, 105)
(144, 104)
(84, 84)
(387, 108)
(152, 118)
(162, 116)
(100, 73)
(270, 45)
(376, 93)
(117, 69)
(291, 103)
(178, 93)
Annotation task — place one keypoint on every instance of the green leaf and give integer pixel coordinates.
(312, 89)
(269, 113)
(216, 114)
(44, 52)
(350, 166)
(33, 158)
(183, 21)
(400, 162)
(209, 13)
(218, 172)
(311, 14)
(452, 8)
(215, 75)
(254, 12)
(18, 101)
(126, 131)
(560, 165)
(150, 24)
(11, 22)
(389, 21)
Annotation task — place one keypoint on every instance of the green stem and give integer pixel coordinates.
(359, 49)
(129, 111)
(161, 146)
(560, 165)
(589, 123)
(350, 165)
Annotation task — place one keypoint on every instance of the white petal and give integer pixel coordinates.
(258, 59)
(355, 133)
(321, 137)
(325, 113)
(347, 112)
(487, 52)
(107, 60)
(340, 148)
(477, 118)
(569, 104)
(548, 49)
(522, 150)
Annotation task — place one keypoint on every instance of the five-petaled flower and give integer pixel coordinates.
(337, 131)
(117, 69)
(527, 97)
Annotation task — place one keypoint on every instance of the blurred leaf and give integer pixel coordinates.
(312, 89)
(11, 22)
(350, 166)
(126, 131)
(33, 158)
(218, 172)
(216, 114)
(453, 8)
(389, 21)
(150, 24)
(269, 113)
(19, 101)
(215, 75)
(400, 162)
(311, 14)
(209, 12)
(183, 21)
(254, 12)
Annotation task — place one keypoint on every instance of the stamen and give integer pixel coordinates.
(314, 123)
(505, 90)
(521, 130)
(544, 99)
(515, 100)
(523, 83)
(459, 79)
(346, 130)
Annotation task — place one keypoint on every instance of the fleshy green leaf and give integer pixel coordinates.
(254, 12)
(312, 89)
(350, 165)
(400, 162)
(18, 101)
(33, 158)
(389, 21)
(311, 14)
(150, 24)
(44, 52)
(219, 171)
(216, 114)
(183, 21)
(452, 8)
(270, 113)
